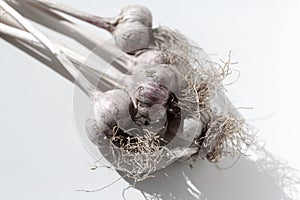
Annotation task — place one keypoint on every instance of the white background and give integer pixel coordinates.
(41, 156)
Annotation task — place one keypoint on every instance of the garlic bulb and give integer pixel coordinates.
(136, 13)
(133, 29)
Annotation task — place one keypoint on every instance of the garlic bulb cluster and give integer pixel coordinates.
(169, 104)
(174, 100)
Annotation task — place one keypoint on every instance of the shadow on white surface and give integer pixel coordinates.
(266, 178)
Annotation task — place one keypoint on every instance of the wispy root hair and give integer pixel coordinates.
(226, 132)
(226, 135)
(139, 156)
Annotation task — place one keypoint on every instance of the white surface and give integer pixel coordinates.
(41, 155)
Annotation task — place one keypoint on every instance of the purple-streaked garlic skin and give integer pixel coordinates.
(148, 90)
(151, 99)
(153, 87)
(152, 93)
(143, 105)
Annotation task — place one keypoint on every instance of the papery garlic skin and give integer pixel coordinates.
(133, 31)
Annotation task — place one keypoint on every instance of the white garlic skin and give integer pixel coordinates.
(149, 57)
(133, 31)
(108, 110)
(136, 13)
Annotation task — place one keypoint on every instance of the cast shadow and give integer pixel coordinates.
(266, 178)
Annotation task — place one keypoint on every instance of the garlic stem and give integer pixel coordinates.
(78, 61)
(46, 17)
(95, 20)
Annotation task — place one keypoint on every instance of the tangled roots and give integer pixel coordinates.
(139, 156)
(225, 136)
(226, 132)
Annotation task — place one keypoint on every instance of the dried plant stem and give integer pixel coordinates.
(77, 60)
(95, 20)
(19, 34)
(46, 42)
(45, 16)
